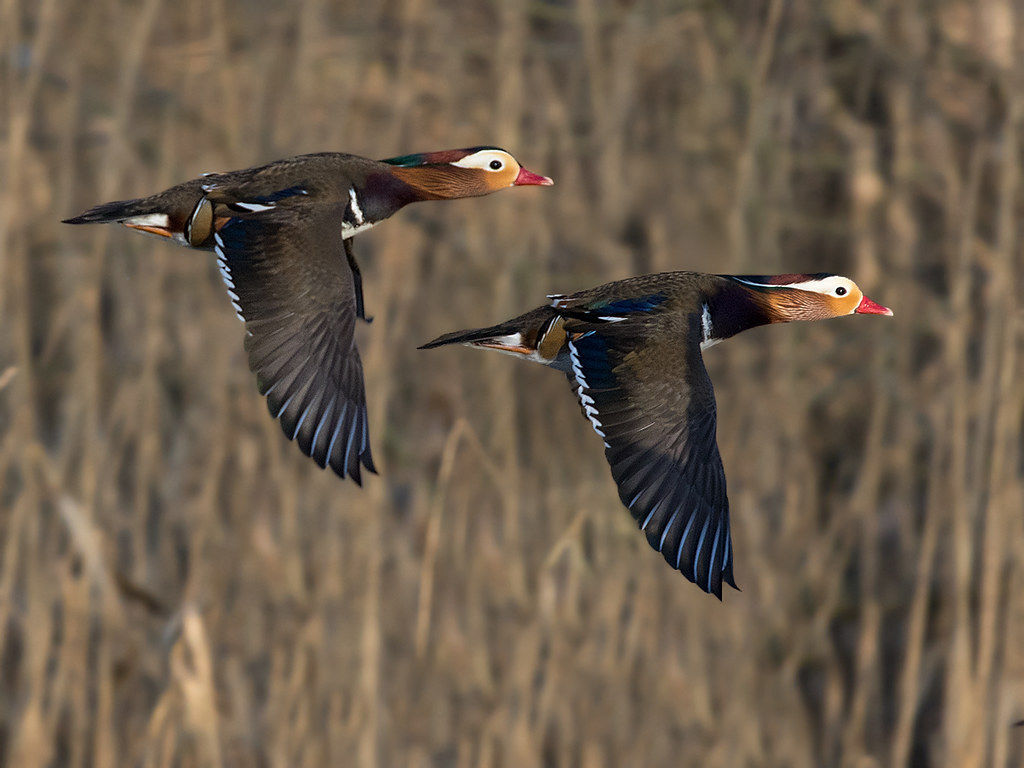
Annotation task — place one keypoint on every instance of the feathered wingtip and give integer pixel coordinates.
(106, 213)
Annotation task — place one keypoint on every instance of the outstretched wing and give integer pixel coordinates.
(289, 280)
(649, 397)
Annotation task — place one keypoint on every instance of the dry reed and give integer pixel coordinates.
(179, 587)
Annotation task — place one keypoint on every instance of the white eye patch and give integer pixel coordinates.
(486, 159)
(833, 285)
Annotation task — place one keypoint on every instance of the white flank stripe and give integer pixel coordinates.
(354, 205)
(705, 323)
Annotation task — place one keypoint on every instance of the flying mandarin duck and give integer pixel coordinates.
(283, 234)
(632, 352)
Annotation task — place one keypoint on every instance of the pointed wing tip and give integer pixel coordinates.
(343, 474)
(367, 461)
(716, 589)
(726, 580)
(354, 473)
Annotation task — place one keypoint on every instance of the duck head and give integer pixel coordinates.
(462, 172)
(785, 298)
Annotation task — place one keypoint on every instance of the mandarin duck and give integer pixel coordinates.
(282, 233)
(632, 353)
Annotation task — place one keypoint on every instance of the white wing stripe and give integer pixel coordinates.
(668, 525)
(714, 550)
(649, 514)
(700, 546)
(682, 541)
(337, 429)
(348, 447)
(323, 420)
(225, 273)
(302, 418)
(284, 406)
(586, 400)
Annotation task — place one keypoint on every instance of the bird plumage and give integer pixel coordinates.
(632, 351)
(282, 234)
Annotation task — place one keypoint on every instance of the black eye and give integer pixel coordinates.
(840, 291)
(495, 165)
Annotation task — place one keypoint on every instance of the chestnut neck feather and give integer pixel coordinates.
(440, 182)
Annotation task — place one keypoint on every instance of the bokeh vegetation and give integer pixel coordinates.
(180, 587)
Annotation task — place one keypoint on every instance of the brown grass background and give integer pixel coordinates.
(179, 587)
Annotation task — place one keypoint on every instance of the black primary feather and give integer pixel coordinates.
(290, 282)
(649, 398)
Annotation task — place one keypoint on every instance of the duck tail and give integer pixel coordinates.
(118, 210)
(472, 336)
(537, 331)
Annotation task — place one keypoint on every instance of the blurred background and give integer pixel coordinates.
(180, 587)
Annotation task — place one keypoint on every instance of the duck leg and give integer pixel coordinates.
(357, 281)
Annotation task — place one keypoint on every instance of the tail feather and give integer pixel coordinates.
(520, 333)
(118, 210)
(470, 336)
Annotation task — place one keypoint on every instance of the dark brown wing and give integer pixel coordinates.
(288, 278)
(649, 397)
